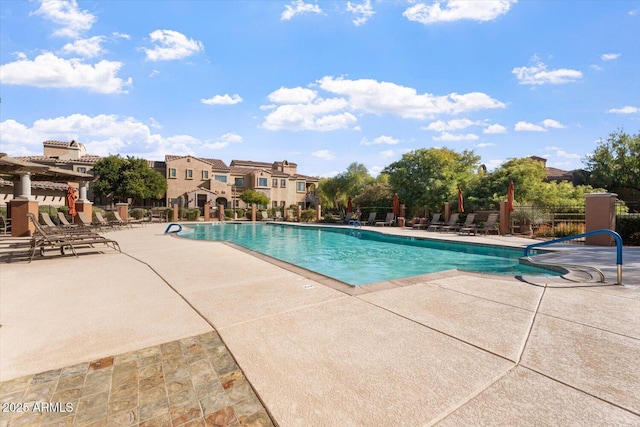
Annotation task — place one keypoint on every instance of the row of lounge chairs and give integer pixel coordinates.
(468, 227)
(63, 237)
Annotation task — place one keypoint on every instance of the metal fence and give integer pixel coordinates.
(548, 221)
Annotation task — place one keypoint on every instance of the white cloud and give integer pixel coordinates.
(628, 109)
(86, 48)
(441, 126)
(550, 123)
(154, 73)
(491, 129)
(484, 144)
(171, 45)
(121, 36)
(376, 97)
(223, 141)
(455, 10)
(538, 74)
(296, 95)
(387, 154)
(375, 170)
(47, 70)
(298, 7)
(65, 13)
(222, 100)
(321, 115)
(558, 152)
(610, 56)
(383, 139)
(446, 136)
(596, 67)
(363, 12)
(154, 123)
(324, 154)
(529, 127)
(493, 163)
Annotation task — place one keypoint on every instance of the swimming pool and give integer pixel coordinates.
(357, 256)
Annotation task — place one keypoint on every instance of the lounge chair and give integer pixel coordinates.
(490, 226)
(43, 239)
(455, 227)
(5, 224)
(389, 220)
(86, 223)
(279, 216)
(468, 223)
(129, 222)
(452, 223)
(265, 216)
(371, 219)
(435, 223)
(102, 221)
(52, 227)
(64, 222)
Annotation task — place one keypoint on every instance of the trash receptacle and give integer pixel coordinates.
(400, 221)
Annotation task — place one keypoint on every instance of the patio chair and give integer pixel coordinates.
(453, 222)
(64, 222)
(102, 221)
(455, 227)
(129, 222)
(279, 216)
(490, 225)
(371, 219)
(265, 216)
(435, 222)
(469, 225)
(43, 239)
(86, 223)
(52, 227)
(389, 220)
(420, 223)
(5, 224)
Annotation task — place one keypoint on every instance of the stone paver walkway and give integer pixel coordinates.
(190, 382)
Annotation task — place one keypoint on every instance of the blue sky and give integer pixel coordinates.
(319, 83)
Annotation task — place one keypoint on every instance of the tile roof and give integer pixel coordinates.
(37, 159)
(44, 185)
(215, 163)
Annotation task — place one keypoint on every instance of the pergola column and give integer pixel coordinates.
(82, 196)
(21, 205)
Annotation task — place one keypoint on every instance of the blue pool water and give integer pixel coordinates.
(358, 256)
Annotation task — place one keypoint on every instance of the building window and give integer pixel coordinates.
(283, 183)
(221, 178)
(189, 174)
(274, 205)
(82, 170)
(205, 174)
(262, 182)
(239, 182)
(301, 187)
(274, 182)
(173, 173)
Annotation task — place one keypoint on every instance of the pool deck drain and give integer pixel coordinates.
(452, 348)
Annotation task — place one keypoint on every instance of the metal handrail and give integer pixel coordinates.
(168, 230)
(615, 235)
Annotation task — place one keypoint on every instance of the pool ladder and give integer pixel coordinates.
(615, 235)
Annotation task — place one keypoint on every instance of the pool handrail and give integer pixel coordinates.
(167, 230)
(615, 235)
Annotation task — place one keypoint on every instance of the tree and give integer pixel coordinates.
(430, 177)
(615, 163)
(251, 196)
(122, 178)
(349, 183)
(527, 175)
(375, 195)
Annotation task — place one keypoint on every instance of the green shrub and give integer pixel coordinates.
(192, 214)
(308, 215)
(329, 218)
(138, 213)
(628, 226)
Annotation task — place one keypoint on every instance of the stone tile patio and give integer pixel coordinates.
(189, 382)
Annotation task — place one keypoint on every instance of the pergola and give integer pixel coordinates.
(25, 172)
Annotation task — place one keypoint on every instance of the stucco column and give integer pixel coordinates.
(82, 194)
(318, 213)
(176, 212)
(207, 213)
(25, 186)
(600, 213)
(447, 211)
(253, 212)
(123, 210)
(504, 218)
(86, 207)
(299, 213)
(221, 213)
(22, 204)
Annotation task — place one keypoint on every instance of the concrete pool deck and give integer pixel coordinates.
(451, 348)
